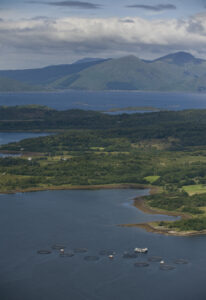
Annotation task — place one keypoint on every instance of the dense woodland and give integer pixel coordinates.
(183, 128)
(164, 149)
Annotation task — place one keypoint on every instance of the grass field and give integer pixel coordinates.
(195, 189)
(151, 179)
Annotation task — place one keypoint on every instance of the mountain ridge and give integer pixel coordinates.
(179, 71)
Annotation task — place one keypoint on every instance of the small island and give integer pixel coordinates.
(163, 151)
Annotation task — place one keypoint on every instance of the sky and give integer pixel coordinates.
(38, 33)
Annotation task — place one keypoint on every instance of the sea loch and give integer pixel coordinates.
(106, 100)
(89, 219)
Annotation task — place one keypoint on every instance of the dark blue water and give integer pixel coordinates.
(9, 137)
(33, 221)
(106, 100)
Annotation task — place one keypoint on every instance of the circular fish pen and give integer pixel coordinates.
(166, 267)
(181, 261)
(80, 250)
(44, 252)
(141, 264)
(91, 258)
(58, 246)
(130, 255)
(107, 252)
(155, 259)
(68, 254)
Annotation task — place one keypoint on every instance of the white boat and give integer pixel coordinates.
(140, 250)
(162, 262)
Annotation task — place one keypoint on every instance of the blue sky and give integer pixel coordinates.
(38, 33)
(107, 8)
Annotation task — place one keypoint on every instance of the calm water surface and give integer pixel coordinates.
(34, 221)
(105, 100)
(9, 137)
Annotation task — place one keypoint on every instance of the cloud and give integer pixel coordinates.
(73, 4)
(197, 24)
(159, 7)
(40, 18)
(195, 27)
(53, 41)
(126, 21)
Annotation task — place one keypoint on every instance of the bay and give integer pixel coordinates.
(88, 219)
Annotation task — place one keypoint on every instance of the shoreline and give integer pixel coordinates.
(79, 187)
(21, 153)
(49, 91)
(149, 227)
(139, 203)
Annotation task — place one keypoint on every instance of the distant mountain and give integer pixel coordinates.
(116, 74)
(180, 58)
(44, 76)
(168, 73)
(89, 59)
(178, 71)
(8, 85)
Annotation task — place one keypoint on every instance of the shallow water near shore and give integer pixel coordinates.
(88, 219)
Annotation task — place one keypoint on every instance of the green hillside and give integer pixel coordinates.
(44, 76)
(175, 72)
(131, 73)
(11, 85)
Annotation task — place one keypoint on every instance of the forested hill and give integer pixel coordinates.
(176, 129)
